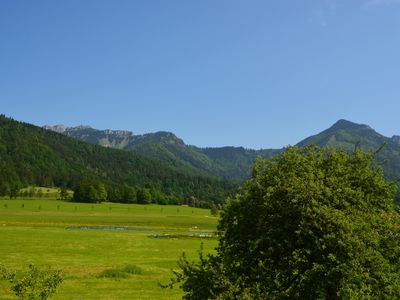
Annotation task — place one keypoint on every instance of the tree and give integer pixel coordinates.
(89, 191)
(143, 196)
(129, 195)
(101, 192)
(214, 210)
(63, 194)
(4, 188)
(31, 192)
(35, 284)
(310, 224)
(114, 194)
(39, 193)
(122, 194)
(13, 189)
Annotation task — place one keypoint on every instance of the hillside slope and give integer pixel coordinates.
(32, 155)
(348, 135)
(234, 163)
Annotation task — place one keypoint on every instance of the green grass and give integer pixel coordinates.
(100, 264)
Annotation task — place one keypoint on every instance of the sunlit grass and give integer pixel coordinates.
(34, 231)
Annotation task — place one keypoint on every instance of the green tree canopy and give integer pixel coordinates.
(143, 196)
(309, 224)
(89, 191)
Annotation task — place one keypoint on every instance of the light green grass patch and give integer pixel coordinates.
(35, 233)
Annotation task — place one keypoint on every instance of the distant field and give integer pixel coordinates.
(41, 192)
(34, 231)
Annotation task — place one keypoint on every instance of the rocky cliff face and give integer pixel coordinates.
(108, 138)
(396, 139)
(56, 128)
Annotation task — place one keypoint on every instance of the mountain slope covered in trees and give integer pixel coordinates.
(32, 155)
(234, 163)
(348, 135)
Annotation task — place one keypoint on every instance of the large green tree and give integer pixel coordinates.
(143, 196)
(310, 224)
(89, 191)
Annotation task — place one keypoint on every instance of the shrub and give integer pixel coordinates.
(122, 272)
(34, 284)
(132, 269)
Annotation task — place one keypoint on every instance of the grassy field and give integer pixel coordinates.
(35, 231)
(44, 192)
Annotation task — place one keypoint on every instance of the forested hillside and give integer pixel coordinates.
(348, 135)
(234, 163)
(32, 155)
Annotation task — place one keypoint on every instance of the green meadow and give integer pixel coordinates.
(106, 263)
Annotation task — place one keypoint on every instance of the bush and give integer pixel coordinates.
(132, 269)
(113, 273)
(123, 272)
(34, 284)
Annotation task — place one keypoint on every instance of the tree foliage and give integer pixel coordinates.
(63, 194)
(89, 191)
(309, 224)
(34, 284)
(143, 196)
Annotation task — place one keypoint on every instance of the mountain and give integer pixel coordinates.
(396, 139)
(157, 161)
(33, 155)
(234, 163)
(231, 163)
(348, 135)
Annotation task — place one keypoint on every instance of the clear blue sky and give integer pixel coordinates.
(250, 73)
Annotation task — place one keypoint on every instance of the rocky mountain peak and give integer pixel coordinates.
(396, 139)
(77, 128)
(57, 128)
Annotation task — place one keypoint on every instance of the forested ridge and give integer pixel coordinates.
(234, 163)
(30, 155)
(231, 163)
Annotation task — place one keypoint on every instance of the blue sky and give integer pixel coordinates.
(252, 73)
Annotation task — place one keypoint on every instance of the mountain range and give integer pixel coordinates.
(234, 163)
(30, 155)
(160, 162)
